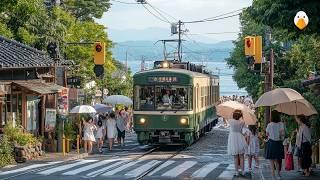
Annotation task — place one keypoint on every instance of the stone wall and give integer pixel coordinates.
(28, 152)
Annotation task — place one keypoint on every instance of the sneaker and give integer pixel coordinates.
(278, 177)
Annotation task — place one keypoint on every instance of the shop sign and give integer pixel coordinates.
(63, 101)
(50, 122)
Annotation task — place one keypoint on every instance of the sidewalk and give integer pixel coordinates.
(264, 172)
(73, 155)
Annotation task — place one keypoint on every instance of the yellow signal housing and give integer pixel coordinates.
(249, 45)
(258, 50)
(99, 53)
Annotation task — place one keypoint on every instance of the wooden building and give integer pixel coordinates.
(30, 84)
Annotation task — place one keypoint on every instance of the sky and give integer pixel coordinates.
(126, 17)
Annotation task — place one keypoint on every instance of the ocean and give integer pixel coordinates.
(228, 86)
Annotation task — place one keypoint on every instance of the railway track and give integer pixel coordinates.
(141, 176)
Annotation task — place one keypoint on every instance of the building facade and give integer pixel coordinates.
(32, 88)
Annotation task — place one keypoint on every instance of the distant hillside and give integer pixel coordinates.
(192, 51)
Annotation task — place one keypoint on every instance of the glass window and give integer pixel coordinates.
(163, 98)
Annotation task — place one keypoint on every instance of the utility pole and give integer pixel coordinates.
(269, 75)
(179, 42)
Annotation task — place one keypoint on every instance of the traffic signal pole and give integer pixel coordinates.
(269, 77)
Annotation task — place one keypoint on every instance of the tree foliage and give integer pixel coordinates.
(35, 23)
(296, 52)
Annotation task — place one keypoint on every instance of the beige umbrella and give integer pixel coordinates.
(298, 107)
(226, 110)
(278, 96)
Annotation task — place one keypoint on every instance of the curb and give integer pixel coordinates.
(79, 156)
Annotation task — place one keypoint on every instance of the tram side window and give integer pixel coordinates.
(146, 98)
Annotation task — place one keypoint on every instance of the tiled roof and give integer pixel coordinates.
(14, 54)
(39, 87)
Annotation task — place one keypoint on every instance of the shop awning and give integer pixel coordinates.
(39, 87)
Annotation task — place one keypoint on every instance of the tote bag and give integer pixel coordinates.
(289, 162)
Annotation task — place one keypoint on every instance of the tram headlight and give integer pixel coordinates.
(183, 120)
(142, 120)
(165, 64)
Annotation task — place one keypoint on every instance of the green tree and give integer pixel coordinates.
(87, 10)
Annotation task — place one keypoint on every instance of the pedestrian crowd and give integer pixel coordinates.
(241, 99)
(245, 141)
(109, 127)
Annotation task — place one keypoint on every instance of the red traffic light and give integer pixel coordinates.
(248, 42)
(98, 48)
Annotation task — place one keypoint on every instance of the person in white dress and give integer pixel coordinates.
(100, 134)
(236, 141)
(88, 135)
(253, 146)
(111, 129)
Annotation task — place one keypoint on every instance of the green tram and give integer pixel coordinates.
(174, 103)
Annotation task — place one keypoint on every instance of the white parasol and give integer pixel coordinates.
(226, 110)
(83, 109)
(298, 107)
(118, 99)
(278, 96)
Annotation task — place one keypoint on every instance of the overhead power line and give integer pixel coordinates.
(163, 20)
(231, 12)
(231, 32)
(123, 2)
(209, 20)
(161, 11)
(158, 12)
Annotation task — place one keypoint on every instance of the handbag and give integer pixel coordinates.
(289, 162)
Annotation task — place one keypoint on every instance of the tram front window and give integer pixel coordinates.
(163, 98)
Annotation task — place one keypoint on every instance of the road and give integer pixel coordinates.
(206, 159)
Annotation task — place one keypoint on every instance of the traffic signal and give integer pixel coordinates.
(99, 53)
(258, 50)
(249, 45)
(98, 70)
(253, 48)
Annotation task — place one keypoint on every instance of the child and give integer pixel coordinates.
(100, 134)
(253, 146)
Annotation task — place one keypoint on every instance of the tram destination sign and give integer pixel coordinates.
(163, 79)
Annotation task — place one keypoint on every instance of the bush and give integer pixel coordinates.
(16, 135)
(6, 152)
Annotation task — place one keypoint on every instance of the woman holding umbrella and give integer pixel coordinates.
(304, 143)
(88, 135)
(236, 141)
(274, 146)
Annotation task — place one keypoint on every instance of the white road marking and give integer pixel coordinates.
(136, 172)
(65, 167)
(205, 170)
(29, 167)
(125, 166)
(228, 173)
(96, 173)
(91, 166)
(179, 169)
(167, 163)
